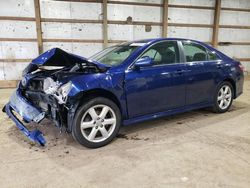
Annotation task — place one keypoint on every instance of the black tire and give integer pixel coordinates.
(216, 107)
(76, 128)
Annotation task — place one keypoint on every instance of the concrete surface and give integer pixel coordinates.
(194, 149)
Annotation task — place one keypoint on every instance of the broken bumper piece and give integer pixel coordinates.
(29, 113)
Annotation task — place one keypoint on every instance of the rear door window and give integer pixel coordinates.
(212, 56)
(194, 52)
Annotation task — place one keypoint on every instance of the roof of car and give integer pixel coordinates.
(152, 40)
(156, 39)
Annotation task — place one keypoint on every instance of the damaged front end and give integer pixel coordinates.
(29, 113)
(44, 88)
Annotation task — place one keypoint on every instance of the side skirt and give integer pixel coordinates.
(165, 113)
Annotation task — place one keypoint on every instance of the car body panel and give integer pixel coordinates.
(201, 81)
(157, 88)
(108, 81)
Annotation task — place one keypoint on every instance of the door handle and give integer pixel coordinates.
(219, 66)
(179, 72)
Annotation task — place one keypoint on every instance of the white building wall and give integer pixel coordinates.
(26, 50)
(235, 35)
(16, 29)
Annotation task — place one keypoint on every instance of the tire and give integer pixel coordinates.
(223, 98)
(96, 122)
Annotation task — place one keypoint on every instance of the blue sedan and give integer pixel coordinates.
(124, 84)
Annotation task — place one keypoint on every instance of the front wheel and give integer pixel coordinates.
(223, 98)
(96, 122)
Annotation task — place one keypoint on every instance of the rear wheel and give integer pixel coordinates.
(223, 98)
(96, 122)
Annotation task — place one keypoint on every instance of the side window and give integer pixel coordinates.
(153, 54)
(212, 56)
(194, 52)
(163, 53)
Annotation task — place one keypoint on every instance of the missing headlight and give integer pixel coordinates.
(62, 92)
(50, 86)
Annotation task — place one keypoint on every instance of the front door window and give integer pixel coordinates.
(163, 53)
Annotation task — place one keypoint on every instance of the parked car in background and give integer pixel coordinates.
(124, 84)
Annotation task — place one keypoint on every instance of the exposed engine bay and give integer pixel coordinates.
(50, 79)
(46, 82)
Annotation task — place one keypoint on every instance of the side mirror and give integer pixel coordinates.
(145, 61)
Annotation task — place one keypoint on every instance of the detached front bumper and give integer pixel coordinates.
(28, 112)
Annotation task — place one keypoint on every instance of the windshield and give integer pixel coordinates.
(115, 55)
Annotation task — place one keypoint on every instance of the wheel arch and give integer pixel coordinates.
(90, 94)
(232, 82)
(94, 98)
(87, 95)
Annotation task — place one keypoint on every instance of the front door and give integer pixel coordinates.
(159, 87)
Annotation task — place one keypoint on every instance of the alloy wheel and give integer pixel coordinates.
(98, 123)
(224, 97)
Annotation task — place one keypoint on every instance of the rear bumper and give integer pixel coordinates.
(28, 112)
(239, 85)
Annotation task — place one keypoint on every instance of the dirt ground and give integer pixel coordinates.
(194, 149)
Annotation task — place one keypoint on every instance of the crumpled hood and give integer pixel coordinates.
(62, 65)
(58, 57)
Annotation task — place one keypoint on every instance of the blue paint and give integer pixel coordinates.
(35, 135)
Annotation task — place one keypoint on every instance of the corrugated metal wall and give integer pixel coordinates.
(237, 35)
(78, 27)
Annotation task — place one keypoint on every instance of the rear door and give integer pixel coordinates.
(200, 75)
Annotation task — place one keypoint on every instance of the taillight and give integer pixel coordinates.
(242, 68)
